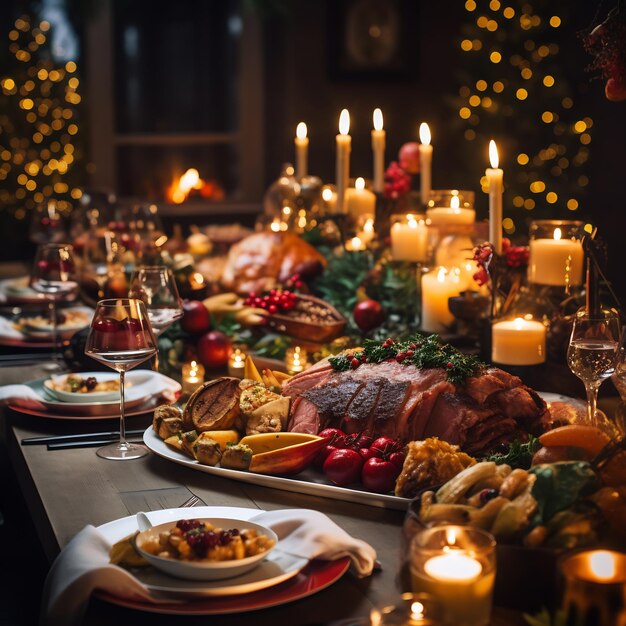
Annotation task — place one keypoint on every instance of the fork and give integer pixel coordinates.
(191, 502)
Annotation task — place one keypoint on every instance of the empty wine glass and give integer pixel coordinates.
(593, 351)
(101, 252)
(156, 287)
(121, 337)
(53, 276)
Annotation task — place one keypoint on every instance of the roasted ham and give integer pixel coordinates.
(402, 401)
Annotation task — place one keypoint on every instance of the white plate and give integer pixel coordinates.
(45, 330)
(277, 568)
(309, 481)
(95, 396)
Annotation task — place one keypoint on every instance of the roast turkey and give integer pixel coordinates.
(402, 401)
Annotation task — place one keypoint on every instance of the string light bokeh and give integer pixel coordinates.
(515, 89)
(39, 124)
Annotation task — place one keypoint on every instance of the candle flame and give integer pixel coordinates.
(193, 365)
(356, 243)
(425, 133)
(602, 564)
(301, 131)
(359, 183)
(368, 227)
(378, 119)
(327, 194)
(454, 202)
(344, 122)
(493, 154)
(441, 277)
(557, 234)
(450, 532)
(417, 610)
(519, 323)
(411, 221)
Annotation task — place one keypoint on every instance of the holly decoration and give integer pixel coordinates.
(274, 301)
(397, 181)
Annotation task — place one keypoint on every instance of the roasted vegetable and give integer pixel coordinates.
(458, 486)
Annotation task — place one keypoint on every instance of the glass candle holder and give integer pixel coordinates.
(409, 238)
(595, 587)
(518, 341)
(438, 286)
(296, 360)
(192, 376)
(414, 609)
(457, 566)
(556, 252)
(451, 207)
(237, 362)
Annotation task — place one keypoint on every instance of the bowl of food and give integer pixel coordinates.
(206, 548)
(87, 387)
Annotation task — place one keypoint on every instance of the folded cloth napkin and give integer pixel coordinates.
(313, 535)
(22, 395)
(82, 567)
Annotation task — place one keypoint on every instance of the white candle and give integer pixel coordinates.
(378, 148)
(555, 261)
(452, 215)
(237, 363)
(360, 201)
(426, 157)
(495, 177)
(518, 342)
(301, 142)
(367, 234)
(409, 240)
(342, 172)
(437, 287)
(329, 197)
(453, 566)
(355, 244)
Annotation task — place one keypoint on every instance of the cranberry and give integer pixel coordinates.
(272, 308)
(91, 383)
(410, 353)
(188, 524)
(355, 363)
(225, 538)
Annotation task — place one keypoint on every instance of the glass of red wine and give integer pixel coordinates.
(121, 338)
(54, 276)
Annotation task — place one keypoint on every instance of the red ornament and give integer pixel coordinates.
(196, 318)
(368, 314)
(214, 348)
(409, 157)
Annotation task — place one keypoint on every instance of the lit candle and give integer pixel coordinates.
(409, 239)
(237, 363)
(378, 148)
(355, 244)
(555, 261)
(426, 157)
(454, 215)
(360, 201)
(301, 142)
(367, 233)
(329, 198)
(344, 145)
(495, 177)
(296, 359)
(193, 376)
(518, 342)
(437, 287)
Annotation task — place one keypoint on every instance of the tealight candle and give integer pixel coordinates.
(296, 359)
(360, 201)
(301, 142)
(595, 587)
(344, 146)
(495, 177)
(518, 342)
(237, 363)
(329, 199)
(454, 215)
(438, 287)
(556, 260)
(426, 157)
(356, 244)
(409, 238)
(193, 376)
(414, 609)
(367, 233)
(378, 148)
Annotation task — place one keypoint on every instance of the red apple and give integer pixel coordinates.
(368, 315)
(214, 348)
(409, 157)
(196, 318)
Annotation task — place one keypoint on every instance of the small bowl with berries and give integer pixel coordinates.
(206, 548)
(85, 387)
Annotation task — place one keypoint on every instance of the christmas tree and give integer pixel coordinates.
(520, 86)
(38, 123)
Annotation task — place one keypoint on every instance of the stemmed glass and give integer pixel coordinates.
(101, 252)
(593, 351)
(156, 287)
(121, 337)
(53, 276)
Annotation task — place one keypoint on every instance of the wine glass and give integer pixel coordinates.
(156, 287)
(46, 225)
(101, 253)
(53, 276)
(121, 338)
(593, 351)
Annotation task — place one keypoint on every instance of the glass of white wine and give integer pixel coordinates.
(593, 352)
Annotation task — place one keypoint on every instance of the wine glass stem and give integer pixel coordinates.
(592, 401)
(122, 420)
(55, 333)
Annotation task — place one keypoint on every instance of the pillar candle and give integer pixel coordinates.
(302, 150)
(495, 177)
(378, 148)
(344, 145)
(409, 240)
(518, 342)
(452, 215)
(360, 201)
(552, 260)
(437, 287)
(426, 157)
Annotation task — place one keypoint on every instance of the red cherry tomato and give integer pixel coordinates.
(336, 435)
(379, 475)
(367, 453)
(365, 440)
(323, 455)
(397, 458)
(385, 444)
(343, 467)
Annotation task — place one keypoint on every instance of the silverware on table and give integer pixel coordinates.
(52, 439)
(87, 443)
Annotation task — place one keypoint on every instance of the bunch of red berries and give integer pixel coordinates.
(516, 256)
(274, 301)
(397, 181)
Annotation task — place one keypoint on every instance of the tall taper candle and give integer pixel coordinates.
(378, 148)
(426, 156)
(495, 176)
(302, 151)
(344, 142)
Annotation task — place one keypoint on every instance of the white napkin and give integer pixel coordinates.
(313, 535)
(82, 567)
(8, 330)
(22, 395)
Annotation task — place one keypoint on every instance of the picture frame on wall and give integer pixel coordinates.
(373, 39)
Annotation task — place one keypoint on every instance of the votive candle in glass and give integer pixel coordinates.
(237, 362)
(409, 238)
(519, 341)
(296, 360)
(193, 376)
